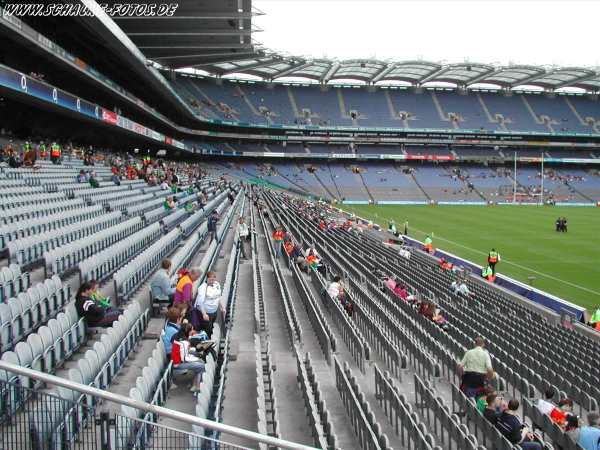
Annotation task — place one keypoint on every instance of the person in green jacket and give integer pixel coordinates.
(595, 319)
(487, 273)
(428, 244)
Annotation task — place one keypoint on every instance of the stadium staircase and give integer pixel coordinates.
(325, 188)
(361, 182)
(412, 176)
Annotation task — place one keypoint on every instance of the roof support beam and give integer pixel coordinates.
(529, 79)
(433, 75)
(382, 73)
(576, 80)
(295, 68)
(330, 72)
(251, 66)
(484, 76)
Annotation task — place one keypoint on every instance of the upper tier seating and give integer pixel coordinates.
(397, 108)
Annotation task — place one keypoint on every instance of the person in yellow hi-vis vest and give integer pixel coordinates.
(493, 259)
(428, 244)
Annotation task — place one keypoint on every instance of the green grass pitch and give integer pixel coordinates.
(564, 264)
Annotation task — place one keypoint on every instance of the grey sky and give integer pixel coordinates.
(534, 32)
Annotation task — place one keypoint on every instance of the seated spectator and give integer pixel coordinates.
(82, 177)
(482, 400)
(460, 288)
(432, 312)
(161, 286)
(181, 355)
(171, 328)
(589, 437)
(94, 314)
(562, 410)
(546, 405)
(93, 180)
(116, 179)
(185, 285)
(493, 408)
(390, 283)
(169, 203)
(511, 427)
(595, 319)
(572, 428)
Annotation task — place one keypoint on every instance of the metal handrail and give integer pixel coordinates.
(143, 406)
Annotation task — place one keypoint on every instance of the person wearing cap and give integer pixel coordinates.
(475, 367)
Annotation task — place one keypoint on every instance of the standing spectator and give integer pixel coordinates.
(161, 286)
(243, 234)
(334, 287)
(513, 429)
(185, 285)
(207, 304)
(212, 223)
(589, 437)
(278, 235)
(475, 366)
(493, 259)
(55, 153)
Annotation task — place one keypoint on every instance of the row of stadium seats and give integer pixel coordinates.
(13, 281)
(27, 311)
(434, 334)
(398, 108)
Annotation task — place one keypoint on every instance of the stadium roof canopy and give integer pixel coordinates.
(271, 67)
(216, 36)
(199, 33)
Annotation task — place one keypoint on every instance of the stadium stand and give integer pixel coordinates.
(439, 109)
(311, 346)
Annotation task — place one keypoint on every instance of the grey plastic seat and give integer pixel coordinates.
(6, 333)
(47, 338)
(59, 350)
(37, 348)
(17, 319)
(25, 355)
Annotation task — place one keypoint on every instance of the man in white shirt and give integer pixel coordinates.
(208, 303)
(243, 232)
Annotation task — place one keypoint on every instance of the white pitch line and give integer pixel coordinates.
(583, 288)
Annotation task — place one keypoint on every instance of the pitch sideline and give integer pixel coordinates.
(545, 275)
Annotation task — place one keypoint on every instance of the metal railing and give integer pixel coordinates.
(48, 422)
